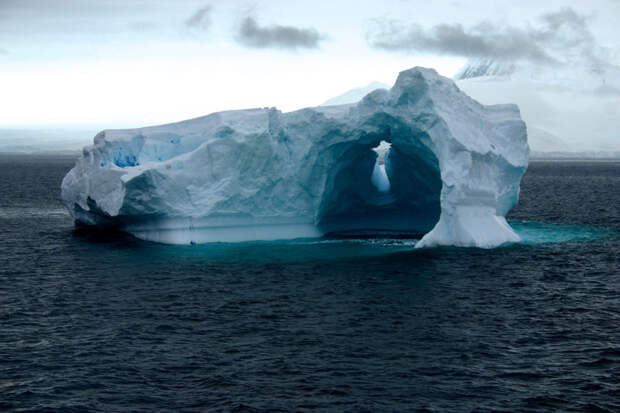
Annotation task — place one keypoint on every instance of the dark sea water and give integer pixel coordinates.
(101, 322)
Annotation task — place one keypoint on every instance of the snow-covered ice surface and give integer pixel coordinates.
(453, 168)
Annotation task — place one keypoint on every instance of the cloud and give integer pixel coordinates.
(558, 37)
(3, 51)
(278, 37)
(142, 26)
(201, 19)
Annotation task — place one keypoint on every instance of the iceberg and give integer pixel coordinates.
(452, 171)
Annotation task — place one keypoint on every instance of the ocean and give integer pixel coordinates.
(101, 322)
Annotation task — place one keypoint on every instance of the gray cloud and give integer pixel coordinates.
(3, 51)
(201, 19)
(558, 37)
(275, 36)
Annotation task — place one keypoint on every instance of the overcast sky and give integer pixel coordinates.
(120, 63)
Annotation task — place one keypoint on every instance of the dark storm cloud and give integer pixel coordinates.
(557, 36)
(275, 36)
(201, 19)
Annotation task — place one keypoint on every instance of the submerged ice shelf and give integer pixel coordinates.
(452, 171)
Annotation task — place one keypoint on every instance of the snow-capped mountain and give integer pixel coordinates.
(589, 75)
(355, 95)
(566, 107)
(485, 67)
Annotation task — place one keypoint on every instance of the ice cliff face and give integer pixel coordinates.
(453, 169)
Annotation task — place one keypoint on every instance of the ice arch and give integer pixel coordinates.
(352, 201)
(454, 168)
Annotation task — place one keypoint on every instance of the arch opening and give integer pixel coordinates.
(383, 182)
(379, 177)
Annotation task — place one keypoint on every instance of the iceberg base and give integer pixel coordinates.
(469, 226)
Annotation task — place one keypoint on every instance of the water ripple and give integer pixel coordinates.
(100, 322)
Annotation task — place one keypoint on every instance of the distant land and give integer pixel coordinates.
(570, 110)
(559, 155)
(52, 140)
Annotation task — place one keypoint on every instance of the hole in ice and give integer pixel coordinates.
(389, 182)
(379, 177)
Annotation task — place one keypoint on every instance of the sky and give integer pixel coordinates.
(130, 63)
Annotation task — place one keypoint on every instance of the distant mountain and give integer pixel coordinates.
(543, 141)
(485, 67)
(354, 95)
(567, 108)
(588, 76)
(559, 155)
(49, 140)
